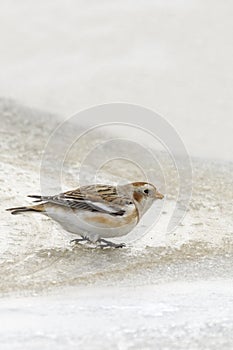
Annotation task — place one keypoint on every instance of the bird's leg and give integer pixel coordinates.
(79, 240)
(110, 244)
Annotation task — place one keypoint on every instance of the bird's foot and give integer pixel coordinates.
(80, 240)
(105, 244)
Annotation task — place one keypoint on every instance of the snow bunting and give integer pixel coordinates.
(97, 212)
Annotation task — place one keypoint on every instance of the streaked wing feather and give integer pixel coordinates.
(88, 205)
(99, 198)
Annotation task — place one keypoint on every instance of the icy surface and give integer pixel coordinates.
(171, 290)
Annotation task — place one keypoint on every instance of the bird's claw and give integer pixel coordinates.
(120, 245)
(79, 240)
(110, 244)
(103, 243)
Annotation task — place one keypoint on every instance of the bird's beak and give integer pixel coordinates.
(159, 195)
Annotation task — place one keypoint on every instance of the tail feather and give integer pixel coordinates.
(38, 198)
(17, 210)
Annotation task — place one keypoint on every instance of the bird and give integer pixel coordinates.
(97, 212)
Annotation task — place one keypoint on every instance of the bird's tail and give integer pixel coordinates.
(17, 210)
(38, 198)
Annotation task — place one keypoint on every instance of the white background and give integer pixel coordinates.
(172, 56)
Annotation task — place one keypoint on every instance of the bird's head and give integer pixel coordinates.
(144, 194)
(145, 190)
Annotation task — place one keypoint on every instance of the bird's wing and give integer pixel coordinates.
(95, 198)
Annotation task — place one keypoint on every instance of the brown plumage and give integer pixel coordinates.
(97, 211)
(17, 210)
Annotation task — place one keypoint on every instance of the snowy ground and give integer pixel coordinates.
(174, 57)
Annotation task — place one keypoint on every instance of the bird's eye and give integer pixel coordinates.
(146, 191)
